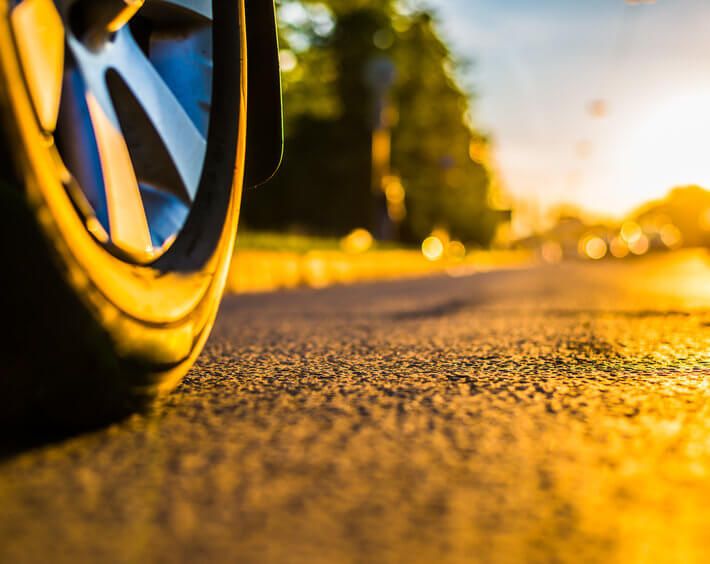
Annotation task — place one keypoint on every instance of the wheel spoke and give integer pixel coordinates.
(127, 219)
(39, 33)
(145, 113)
(181, 138)
(202, 8)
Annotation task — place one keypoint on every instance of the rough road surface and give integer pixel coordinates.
(559, 414)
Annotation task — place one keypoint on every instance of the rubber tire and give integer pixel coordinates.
(88, 338)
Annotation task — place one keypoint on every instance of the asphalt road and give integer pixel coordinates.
(559, 414)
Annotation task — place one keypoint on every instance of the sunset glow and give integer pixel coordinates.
(668, 147)
(601, 105)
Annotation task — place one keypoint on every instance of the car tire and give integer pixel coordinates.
(89, 334)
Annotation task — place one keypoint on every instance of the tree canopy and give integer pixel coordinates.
(325, 185)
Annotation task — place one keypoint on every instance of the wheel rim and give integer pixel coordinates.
(123, 89)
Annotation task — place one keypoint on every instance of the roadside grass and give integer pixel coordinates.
(284, 242)
(295, 242)
(272, 261)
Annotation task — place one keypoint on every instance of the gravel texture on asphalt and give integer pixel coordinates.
(559, 414)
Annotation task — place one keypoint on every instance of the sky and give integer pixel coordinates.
(540, 65)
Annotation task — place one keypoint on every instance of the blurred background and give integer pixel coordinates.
(566, 130)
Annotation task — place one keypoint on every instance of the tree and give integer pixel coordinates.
(325, 182)
(432, 143)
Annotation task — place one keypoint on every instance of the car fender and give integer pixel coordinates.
(265, 139)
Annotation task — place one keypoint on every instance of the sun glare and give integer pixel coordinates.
(668, 148)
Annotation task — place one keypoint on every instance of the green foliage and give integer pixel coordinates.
(284, 242)
(325, 183)
(431, 144)
(295, 243)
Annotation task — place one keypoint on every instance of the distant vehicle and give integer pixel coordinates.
(124, 148)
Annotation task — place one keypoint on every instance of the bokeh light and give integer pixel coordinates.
(618, 248)
(433, 248)
(671, 236)
(593, 247)
(631, 232)
(287, 60)
(358, 241)
(640, 246)
(456, 250)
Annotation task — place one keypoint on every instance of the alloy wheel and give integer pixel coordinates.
(122, 90)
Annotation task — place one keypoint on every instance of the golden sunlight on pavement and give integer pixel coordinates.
(554, 414)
